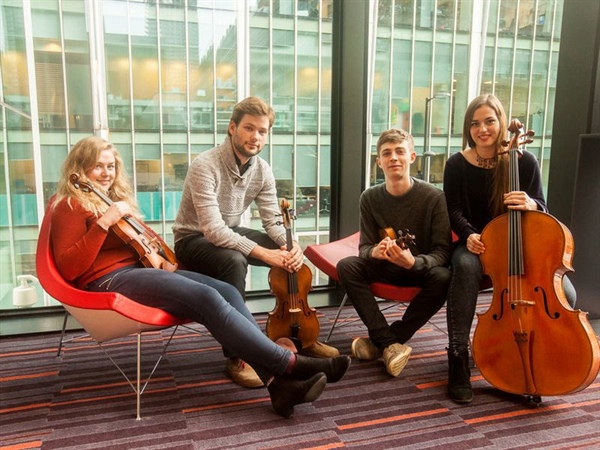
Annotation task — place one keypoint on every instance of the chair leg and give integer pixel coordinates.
(62, 334)
(138, 392)
(336, 317)
(138, 388)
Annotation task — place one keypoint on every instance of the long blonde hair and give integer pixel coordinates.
(82, 158)
(500, 174)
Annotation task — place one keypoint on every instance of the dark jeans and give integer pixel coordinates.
(357, 273)
(196, 253)
(463, 292)
(216, 305)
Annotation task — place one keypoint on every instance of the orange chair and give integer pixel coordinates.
(325, 258)
(103, 315)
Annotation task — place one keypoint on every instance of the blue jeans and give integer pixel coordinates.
(216, 305)
(462, 296)
(357, 273)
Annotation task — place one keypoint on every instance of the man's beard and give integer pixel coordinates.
(241, 150)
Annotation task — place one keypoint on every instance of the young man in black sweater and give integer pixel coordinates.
(400, 203)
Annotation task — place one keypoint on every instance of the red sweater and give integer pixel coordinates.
(83, 250)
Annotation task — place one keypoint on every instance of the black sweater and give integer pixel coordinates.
(422, 210)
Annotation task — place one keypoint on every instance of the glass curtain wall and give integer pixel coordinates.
(159, 79)
(446, 52)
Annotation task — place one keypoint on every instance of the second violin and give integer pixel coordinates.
(292, 317)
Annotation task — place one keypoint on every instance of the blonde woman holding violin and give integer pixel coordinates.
(90, 254)
(476, 188)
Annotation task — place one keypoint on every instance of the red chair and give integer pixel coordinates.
(325, 258)
(103, 315)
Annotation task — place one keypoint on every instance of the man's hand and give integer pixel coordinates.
(388, 250)
(291, 261)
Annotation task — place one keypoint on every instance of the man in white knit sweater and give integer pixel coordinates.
(220, 185)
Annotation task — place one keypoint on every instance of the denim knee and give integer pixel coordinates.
(465, 263)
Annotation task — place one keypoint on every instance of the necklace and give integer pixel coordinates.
(486, 163)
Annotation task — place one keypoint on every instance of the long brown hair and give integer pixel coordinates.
(82, 158)
(500, 174)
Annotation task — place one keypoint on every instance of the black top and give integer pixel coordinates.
(468, 191)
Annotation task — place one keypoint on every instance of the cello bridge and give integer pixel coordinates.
(522, 303)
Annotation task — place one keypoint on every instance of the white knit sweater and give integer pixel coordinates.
(215, 197)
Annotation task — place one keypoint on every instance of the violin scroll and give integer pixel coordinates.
(403, 238)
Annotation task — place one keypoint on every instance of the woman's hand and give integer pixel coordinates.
(113, 214)
(519, 200)
(474, 244)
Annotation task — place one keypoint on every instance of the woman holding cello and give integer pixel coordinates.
(475, 184)
(91, 253)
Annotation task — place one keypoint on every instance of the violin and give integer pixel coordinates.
(530, 341)
(151, 249)
(403, 238)
(292, 317)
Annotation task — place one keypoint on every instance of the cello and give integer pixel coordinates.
(292, 317)
(530, 341)
(150, 248)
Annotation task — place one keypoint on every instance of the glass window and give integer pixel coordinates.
(173, 68)
(460, 86)
(144, 65)
(403, 12)
(118, 67)
(260, 85)
(77, 68)
(13, 64)
(48, 66)
(201, 67)
(400, 103)
(381, 82)
(226, 81)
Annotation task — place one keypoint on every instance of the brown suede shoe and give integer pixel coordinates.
(395, 357)
(320, 350)
(364, 349)
(242, 374)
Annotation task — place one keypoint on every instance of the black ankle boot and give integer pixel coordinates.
(286, 393)
(334, 368)
(459, 376)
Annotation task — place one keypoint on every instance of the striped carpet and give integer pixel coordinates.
(80, 401)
